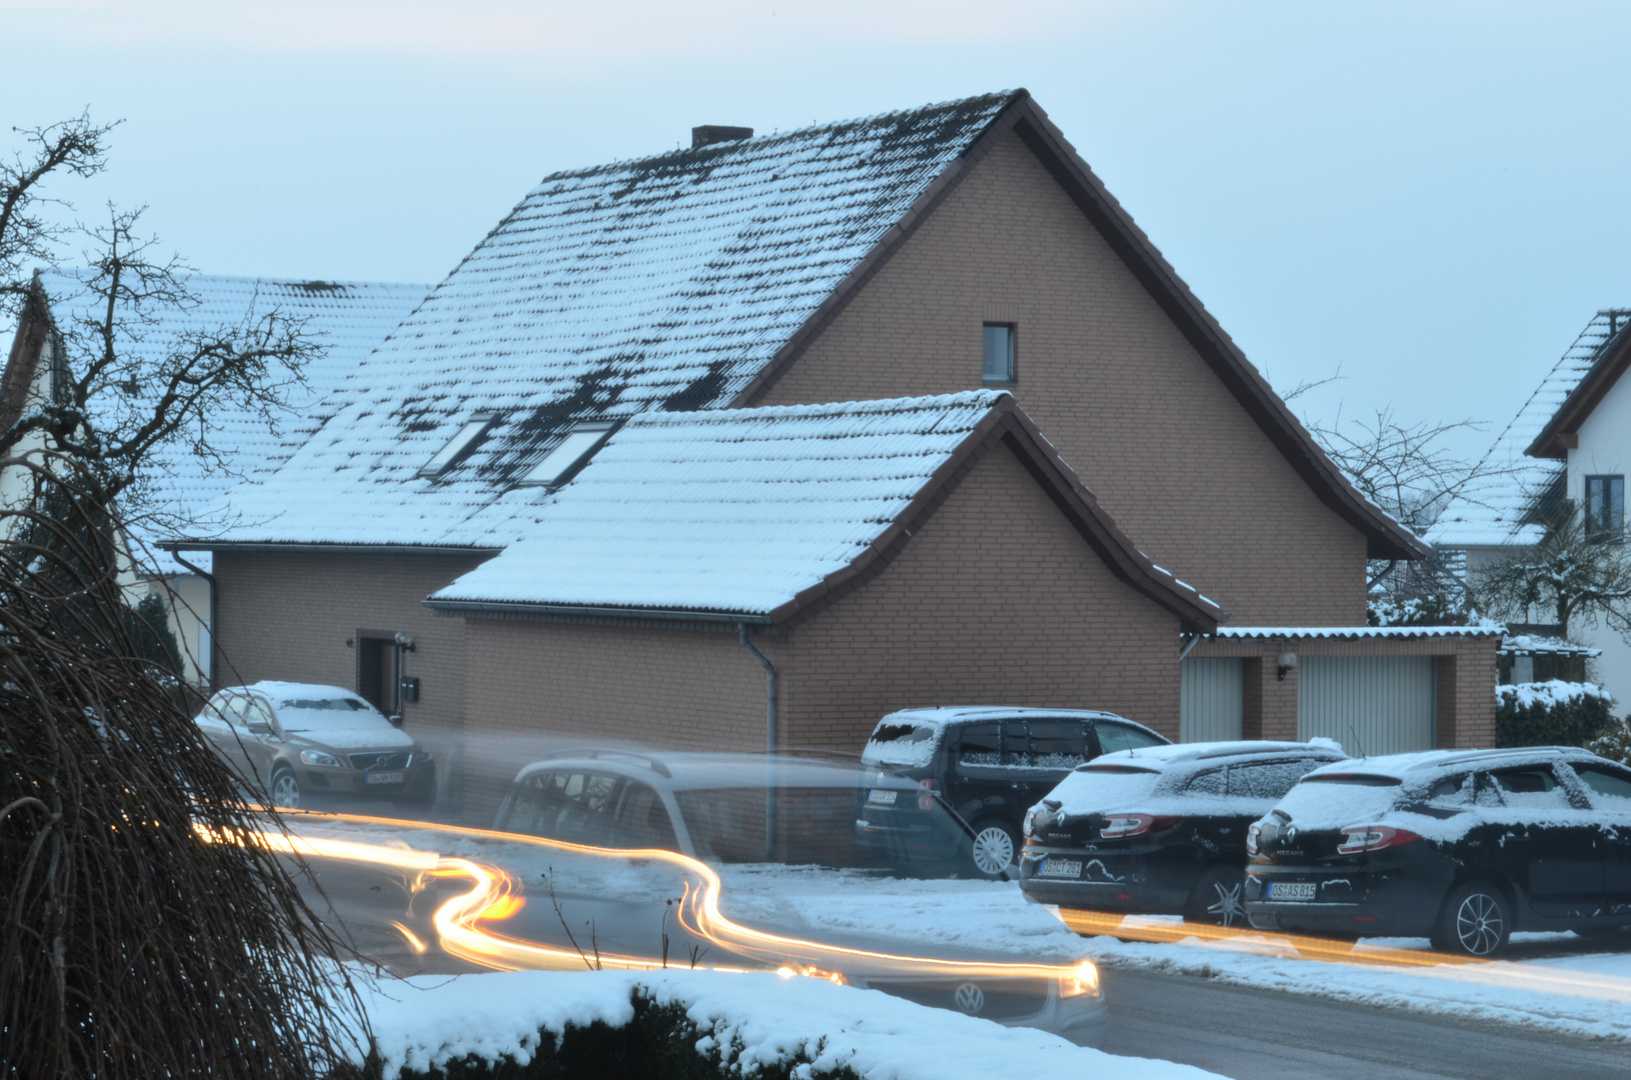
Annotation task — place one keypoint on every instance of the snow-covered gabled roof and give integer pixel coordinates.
(1497, 514)
(665, 283)
(1355, 633)
(756, 514)
(346, 320)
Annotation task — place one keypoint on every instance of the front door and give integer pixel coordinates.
(376, 673)
(1609, 788)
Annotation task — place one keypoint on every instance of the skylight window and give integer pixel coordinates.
(561, 462)
(460, 445)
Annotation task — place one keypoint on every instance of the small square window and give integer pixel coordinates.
(999, 352)
(1605, 507)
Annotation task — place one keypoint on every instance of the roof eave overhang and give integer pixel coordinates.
(1554, 439)
(523, 608)
(324, 548)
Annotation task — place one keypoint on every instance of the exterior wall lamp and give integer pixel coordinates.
(1288, 663)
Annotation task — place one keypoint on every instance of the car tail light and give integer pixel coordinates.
(1359, 838)
(1030, 819)
(1120, 825)
(1252, 834)
(925, 801)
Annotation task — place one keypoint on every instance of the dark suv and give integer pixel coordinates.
(978, 769)
(1160, 831)
(1462, 847)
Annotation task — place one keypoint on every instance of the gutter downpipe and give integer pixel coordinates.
(210, 659)
(770, 739)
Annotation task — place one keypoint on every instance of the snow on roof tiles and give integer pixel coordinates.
(725, 511)
(1494, 516)
(348, 319)
(1491, 630)
(665, 283)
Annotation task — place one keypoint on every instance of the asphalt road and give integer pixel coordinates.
(1261, 1035)
(1238, 1032)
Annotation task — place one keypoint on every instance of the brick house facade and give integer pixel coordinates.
(974, 213)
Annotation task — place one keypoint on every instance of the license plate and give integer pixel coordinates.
(881, 798)
(383, 777)
(1292, 890)
(1071, 868)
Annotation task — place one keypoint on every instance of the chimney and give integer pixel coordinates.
(708, 134)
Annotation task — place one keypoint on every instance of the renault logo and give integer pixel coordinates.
(970, 998)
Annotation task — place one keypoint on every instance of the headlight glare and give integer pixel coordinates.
(318, 757)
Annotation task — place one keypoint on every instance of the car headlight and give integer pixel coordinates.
(318, 757)
(423, 754)
(1083, 979)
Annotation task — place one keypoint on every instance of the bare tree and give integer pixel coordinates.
(1573, 572)
(129, 384)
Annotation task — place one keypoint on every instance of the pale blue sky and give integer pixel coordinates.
(1429, 195)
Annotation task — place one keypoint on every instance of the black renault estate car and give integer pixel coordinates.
(1160, 831)
(979, 769)
(1460, 846)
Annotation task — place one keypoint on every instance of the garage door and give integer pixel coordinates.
(1210, 699)
(1369, 704)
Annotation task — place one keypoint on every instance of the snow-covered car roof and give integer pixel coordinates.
(1425, 762)
(278, 690)
(1160, 758)
(940, 716)
(691, 771)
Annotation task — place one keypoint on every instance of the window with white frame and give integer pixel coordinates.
(999, 352)
(1605, 507)
(559, 464)
(459, 446)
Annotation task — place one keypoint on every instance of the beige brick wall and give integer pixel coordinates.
(288, 615)
(996, 600)
(1110, 380)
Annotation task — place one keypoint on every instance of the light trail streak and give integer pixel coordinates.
(492, 898)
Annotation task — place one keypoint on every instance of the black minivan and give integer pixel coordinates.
(1460, 846)
(978, 769)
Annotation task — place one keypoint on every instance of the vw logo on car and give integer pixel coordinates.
(970, 999)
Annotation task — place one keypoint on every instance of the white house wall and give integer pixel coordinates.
(1605, 450)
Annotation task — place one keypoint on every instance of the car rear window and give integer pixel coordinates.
(1093, 788)
(1334, 800)
(902, 744)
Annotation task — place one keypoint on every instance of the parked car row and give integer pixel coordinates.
(1461, 847)
(1086, 809)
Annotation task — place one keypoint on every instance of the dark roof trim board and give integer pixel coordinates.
(1386, 538)
(1556, 438)
(323, 549)
(1006, 424)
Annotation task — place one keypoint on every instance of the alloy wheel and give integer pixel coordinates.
(1479, 925)
(993, 850)
(1227, 907)
(286, 791)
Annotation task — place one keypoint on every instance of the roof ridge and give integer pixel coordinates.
(915, 403)
(999, 100)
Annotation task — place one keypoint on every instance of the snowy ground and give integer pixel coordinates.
(1551, 981)
(426, 1022)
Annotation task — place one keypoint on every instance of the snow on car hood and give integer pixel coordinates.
(341, 730)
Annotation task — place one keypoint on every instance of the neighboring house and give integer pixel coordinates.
(1571, 441)
(346, 319)
(912, 259)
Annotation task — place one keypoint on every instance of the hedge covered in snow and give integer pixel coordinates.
(1551, 713)
(701, 1025)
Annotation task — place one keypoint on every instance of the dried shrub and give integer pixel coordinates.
(132, 946)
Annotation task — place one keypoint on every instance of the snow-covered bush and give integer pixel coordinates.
(1551, 713)
(1435, 610)
(1615, 741)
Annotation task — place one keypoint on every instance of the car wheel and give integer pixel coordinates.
(1219, 897)
(285, 790)
(1475, 921)
(992, 849)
